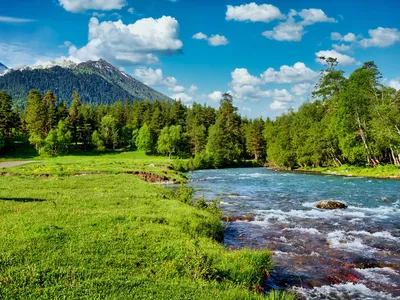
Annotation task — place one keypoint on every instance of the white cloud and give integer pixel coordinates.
(215, 96)
(286, 31)
(301, 89)
(276, 105)
(135, 43)
(350, 37)
(199, 36)
(193, 88)
(287, 74)
(341, 48)
(247, 87)
(282, 96)
(241, 76)
(395, 83)
(131, 10)
(249, 93)
(342, 59)
(282, 100)
(293, 31)
(83, 5)
(177, 89)
(5, 19)
(381, 37)
(182, 96)
(253, 12)
(218, 40)
(314, 15)
(246, 109)
(214, 40)
(155, 78)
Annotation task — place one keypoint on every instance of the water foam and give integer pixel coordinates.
(344, 291)
(381, 275)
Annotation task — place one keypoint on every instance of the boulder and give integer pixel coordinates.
(330, 204)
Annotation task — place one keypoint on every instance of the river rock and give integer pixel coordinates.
(330, 204)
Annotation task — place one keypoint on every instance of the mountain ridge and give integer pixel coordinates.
(96, 82)
(3, 68)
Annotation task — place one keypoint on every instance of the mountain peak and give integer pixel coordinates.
(96, 82)
(68, 64)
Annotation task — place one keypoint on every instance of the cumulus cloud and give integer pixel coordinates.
(286, 31)
(200, 36)
(83, 5)
(241, 76)
(246, 87)
(193, 88)
(342, 59)
(155, 78)
(301, 89)
(215, 96)
(287, 74)
(350, 37)
(395, 83)
(5, 19)
(381, 37)
(131, 10)
(341, 48)
(293, 30)
(214, 40)
(182, 96)
(218, 40)
(282, 100)
(135, 43)
(314, 15)
(253, 12)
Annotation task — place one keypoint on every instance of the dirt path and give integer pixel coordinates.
(10, 164)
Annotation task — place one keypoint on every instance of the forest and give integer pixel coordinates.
(351, 120)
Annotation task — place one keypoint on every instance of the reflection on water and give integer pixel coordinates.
(338, 254)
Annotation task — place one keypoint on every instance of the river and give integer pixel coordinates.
(352, 253)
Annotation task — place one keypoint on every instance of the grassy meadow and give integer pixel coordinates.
(76, 234)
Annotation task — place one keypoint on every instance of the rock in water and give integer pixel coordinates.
(330, 204)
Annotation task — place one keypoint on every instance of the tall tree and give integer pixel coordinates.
(225, 141)
(35, 119)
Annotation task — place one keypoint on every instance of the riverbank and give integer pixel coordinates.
(381, 171)
(86, 226)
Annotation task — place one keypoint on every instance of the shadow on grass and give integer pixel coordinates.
(22, 199)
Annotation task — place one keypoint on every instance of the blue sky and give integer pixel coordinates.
(264, 53)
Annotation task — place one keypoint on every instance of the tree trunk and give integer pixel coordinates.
(371, 160)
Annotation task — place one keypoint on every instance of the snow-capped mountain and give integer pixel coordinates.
(68, 64)
(95, 81)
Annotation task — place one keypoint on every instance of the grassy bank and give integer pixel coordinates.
(381, 171)
(114, 236)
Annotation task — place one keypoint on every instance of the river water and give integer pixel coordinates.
(321, 254)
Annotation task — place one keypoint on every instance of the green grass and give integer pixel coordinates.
(110, 163)
(381, 171)
(114, 236)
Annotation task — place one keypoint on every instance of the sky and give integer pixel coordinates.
(264, 53)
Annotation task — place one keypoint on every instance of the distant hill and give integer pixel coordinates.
(96, 82)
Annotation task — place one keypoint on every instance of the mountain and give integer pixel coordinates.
(96, 82)
(3, 68)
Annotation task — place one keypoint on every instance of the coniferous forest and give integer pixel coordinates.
(349, 120)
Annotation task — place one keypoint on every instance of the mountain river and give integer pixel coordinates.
(351, 253)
